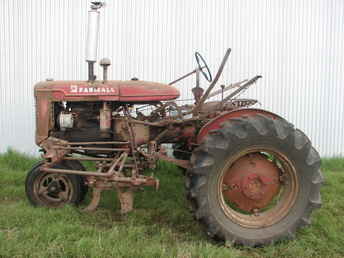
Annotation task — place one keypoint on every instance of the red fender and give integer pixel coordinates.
(216, 122)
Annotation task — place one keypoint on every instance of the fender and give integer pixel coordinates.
(217, 121)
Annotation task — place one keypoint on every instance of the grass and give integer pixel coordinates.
(333, 164)
(160, 226)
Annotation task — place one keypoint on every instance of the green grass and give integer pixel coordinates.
(333, 164)
(160, 226)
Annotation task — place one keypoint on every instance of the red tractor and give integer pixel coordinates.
(251, 177)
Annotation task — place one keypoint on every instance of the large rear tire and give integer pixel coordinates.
(254, 181)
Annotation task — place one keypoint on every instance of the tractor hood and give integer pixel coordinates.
(125, 91)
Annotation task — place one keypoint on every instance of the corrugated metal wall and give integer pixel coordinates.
(296, 45)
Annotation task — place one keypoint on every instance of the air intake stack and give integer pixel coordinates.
(92, 38)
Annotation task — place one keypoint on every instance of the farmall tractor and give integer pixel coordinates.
(251, 177)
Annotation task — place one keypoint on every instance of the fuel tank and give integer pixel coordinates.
(122, 91)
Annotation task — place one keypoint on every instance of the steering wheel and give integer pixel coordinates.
(201, 65)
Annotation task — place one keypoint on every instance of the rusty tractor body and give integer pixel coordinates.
(251, 177)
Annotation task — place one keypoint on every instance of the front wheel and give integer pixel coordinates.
(255, 181)
(53, 190)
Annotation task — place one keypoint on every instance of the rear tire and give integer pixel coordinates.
(282, 146)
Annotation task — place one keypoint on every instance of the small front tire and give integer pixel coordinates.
(53, 190)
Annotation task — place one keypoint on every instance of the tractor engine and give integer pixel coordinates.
(82, 111)
(100, 121)
(83, 121)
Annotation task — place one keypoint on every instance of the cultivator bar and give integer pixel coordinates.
(119, 173)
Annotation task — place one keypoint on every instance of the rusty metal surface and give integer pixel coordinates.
(141, 131)
(53, 190)
(109, 91)
(242, 88)
(111, 171)
(97, 143)
(88, 148)
(122, 144)
(184, 76)
(108, 176)
(216, 122)
(178, 162)
(252, 182)
(226, 88)
(220, 106)
(197, 92)
(128, 91)
(44, 118)
(126, 198)
(256, 190)
(96, 195)
(105, 118)
(53, 154)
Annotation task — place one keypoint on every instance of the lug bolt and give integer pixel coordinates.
(255, 212)
(225, 187)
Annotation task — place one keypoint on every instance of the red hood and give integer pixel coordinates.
(126, 91)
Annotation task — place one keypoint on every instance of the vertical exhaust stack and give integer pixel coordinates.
(92, 38)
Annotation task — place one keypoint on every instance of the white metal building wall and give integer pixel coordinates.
(296, 45)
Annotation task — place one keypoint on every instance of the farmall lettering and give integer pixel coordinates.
(80, 89)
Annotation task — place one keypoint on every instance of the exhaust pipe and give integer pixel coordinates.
(92, 38)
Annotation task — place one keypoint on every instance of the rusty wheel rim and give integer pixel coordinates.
(257, 187)
(53, 190)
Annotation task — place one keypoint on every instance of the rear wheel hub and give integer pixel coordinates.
(252, 182)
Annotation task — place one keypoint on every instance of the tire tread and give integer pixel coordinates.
(236, 130)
